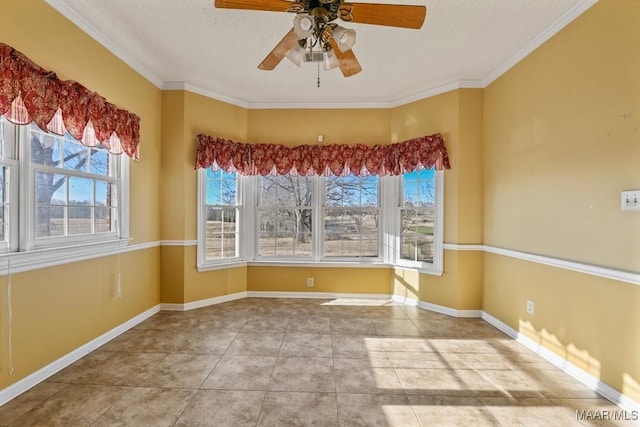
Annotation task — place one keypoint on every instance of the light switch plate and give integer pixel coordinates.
(630, 200)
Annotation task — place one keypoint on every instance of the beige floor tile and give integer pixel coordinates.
(309, 324)
(355, 345)
(266, 324)
(241, 373)
(83, 365)
(396, 327)
(74, 405)
(299, 409)
(182, 371)
(255, 344)
(529, 412)
(22, 404)
(358, 376)
(156, 407)
(125, 369)
(450, 411)
(476, 361)
(381, 365)
(406, 344)
(311, 345)
(416, 360)
(499, 383)
(352, 326)
(232, 408)
(388, 410)
(303, 374)
(441, 382)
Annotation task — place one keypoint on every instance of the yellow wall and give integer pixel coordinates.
(59, 309)
(299, 127)
(333, 280)
(184, 116)
(457, 115)
(561, 140)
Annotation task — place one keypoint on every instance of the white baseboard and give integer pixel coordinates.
(203, 302)
(595, 384)
(436, 308)
(42, 374)
(319, 295)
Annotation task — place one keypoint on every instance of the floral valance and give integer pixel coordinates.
(31, 93)
(264, 159)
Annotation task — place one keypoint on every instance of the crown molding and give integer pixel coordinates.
(437, 90)
(65, 10)
(568, 17)
(204, 92)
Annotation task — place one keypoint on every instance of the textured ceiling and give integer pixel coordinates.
(190, 44)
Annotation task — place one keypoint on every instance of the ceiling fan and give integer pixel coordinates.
(314, 28)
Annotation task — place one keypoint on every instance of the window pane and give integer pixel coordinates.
(7, 138)
(50, 221)
(221, 231)
(419, 188)
(51, 188)
(99, 163)
(80, 220)
(105, 192)
(285, 232)
(75, 155)
(80, 191)
(220, 187)
(104, 219)
(45, 148)
(285, 190)
(351, 191)
(417, 234)
(351, 232)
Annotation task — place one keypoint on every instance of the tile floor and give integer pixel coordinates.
(307, 362)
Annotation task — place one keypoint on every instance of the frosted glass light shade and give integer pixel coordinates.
(345, 38)
(303, 25)
(330, 60)
(296, 54)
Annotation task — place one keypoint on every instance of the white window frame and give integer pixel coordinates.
(27, 253)
(315, 191)
(390, 198)
(204, 264)
(436, 267)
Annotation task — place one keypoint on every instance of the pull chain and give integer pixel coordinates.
(318, 73)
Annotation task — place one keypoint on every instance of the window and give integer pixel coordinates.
(68, 193)
(351, 217)
(221, 216)
(390, 220)
(420, 219)
(285, 216)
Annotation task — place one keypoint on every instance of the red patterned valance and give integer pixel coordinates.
(31, 93)
(265, 159)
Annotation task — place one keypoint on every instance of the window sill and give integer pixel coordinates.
(331, 264)
(220, 266)
(18, 262)
(434, 271)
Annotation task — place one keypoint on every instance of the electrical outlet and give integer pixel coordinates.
(630, 200)
(531, 306)
(309, 282)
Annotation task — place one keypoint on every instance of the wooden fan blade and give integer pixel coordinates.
(275, 56)
(347, 61)
(268, 5)
(392, 15)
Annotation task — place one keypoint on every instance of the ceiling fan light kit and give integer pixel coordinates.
(314, 29)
